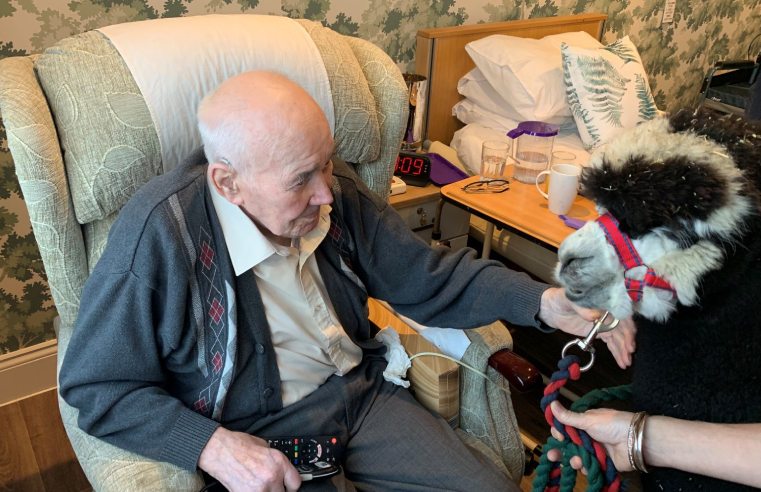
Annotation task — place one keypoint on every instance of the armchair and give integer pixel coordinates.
(88, 124)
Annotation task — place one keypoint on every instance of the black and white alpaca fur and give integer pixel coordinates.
(686, 190)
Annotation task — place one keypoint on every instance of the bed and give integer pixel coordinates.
(442, 58)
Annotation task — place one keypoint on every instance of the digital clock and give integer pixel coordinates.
(414, 169)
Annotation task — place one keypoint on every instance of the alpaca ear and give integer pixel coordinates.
(644, 195)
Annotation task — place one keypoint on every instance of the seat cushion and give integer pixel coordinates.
(110, 144)
(357, 133)
(33, 141)
(392, 105)
(95, 234)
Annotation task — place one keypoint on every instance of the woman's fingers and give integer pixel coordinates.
(556, 434)
(576, 463)
(565, 416)
(630, 332)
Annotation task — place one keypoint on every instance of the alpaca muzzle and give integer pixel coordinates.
(630, 259)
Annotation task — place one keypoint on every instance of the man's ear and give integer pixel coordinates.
(225, 181)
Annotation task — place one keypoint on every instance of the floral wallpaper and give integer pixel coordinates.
(676, 57)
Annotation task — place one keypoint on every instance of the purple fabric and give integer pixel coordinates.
(572, 223)
(444, 172)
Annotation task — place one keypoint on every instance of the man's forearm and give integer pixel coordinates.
(113, 374)
(727, 451)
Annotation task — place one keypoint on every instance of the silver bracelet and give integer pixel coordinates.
(630, 441)
(639, 432)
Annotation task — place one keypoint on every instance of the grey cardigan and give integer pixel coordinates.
(169, 343)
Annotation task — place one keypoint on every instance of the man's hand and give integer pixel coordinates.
(608, 427)
(558, 312)
(244, 463)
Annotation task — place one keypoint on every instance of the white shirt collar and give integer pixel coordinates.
(247, 245)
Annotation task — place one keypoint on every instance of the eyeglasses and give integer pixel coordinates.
(491, 186)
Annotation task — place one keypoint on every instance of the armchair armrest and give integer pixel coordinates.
(734, 64)
(520, 373)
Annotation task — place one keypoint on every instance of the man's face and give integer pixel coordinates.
(285, 197)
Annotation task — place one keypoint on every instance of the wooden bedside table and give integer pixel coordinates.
(415, 195)
(521, 210)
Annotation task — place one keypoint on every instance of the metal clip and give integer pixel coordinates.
(586, 343)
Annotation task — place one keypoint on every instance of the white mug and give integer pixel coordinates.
(564, 183)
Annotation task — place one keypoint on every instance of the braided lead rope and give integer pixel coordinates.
(544, 471)
(595, 397)
(550, 476)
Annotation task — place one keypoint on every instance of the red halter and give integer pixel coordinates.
(629, 258)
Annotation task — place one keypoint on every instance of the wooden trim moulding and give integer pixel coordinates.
(518, 25)
(28, 371)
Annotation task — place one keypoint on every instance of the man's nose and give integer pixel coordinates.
(322, 194)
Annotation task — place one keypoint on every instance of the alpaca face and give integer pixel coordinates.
(680, 198)
(593, 277)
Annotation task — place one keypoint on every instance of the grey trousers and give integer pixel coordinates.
(389, 441)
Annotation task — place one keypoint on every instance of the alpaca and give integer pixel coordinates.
(685, 190)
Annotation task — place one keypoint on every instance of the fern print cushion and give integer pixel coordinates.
(607, 90)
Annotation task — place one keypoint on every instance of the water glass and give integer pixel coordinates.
(493, 159)
(563, 157)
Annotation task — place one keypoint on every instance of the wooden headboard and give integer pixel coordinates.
(441, 57)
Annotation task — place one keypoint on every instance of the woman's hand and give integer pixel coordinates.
(608, 427)
(558, 312)
(694, 447)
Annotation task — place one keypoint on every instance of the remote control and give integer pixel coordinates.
(303, 450)
(318, 469)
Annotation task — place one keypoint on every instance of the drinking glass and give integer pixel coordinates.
(493, 158)
(563, 157)
(559, 157)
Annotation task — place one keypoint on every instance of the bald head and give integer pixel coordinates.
(269, 150)
(257, 119)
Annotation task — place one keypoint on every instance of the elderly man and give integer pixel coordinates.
(220, 312)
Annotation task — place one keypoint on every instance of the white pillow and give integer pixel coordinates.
(528, 72)
(467, 141)
(607, 90)
(470, 113)
(476, 88)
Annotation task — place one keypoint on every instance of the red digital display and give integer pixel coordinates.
(409, 166)
(414, 168)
